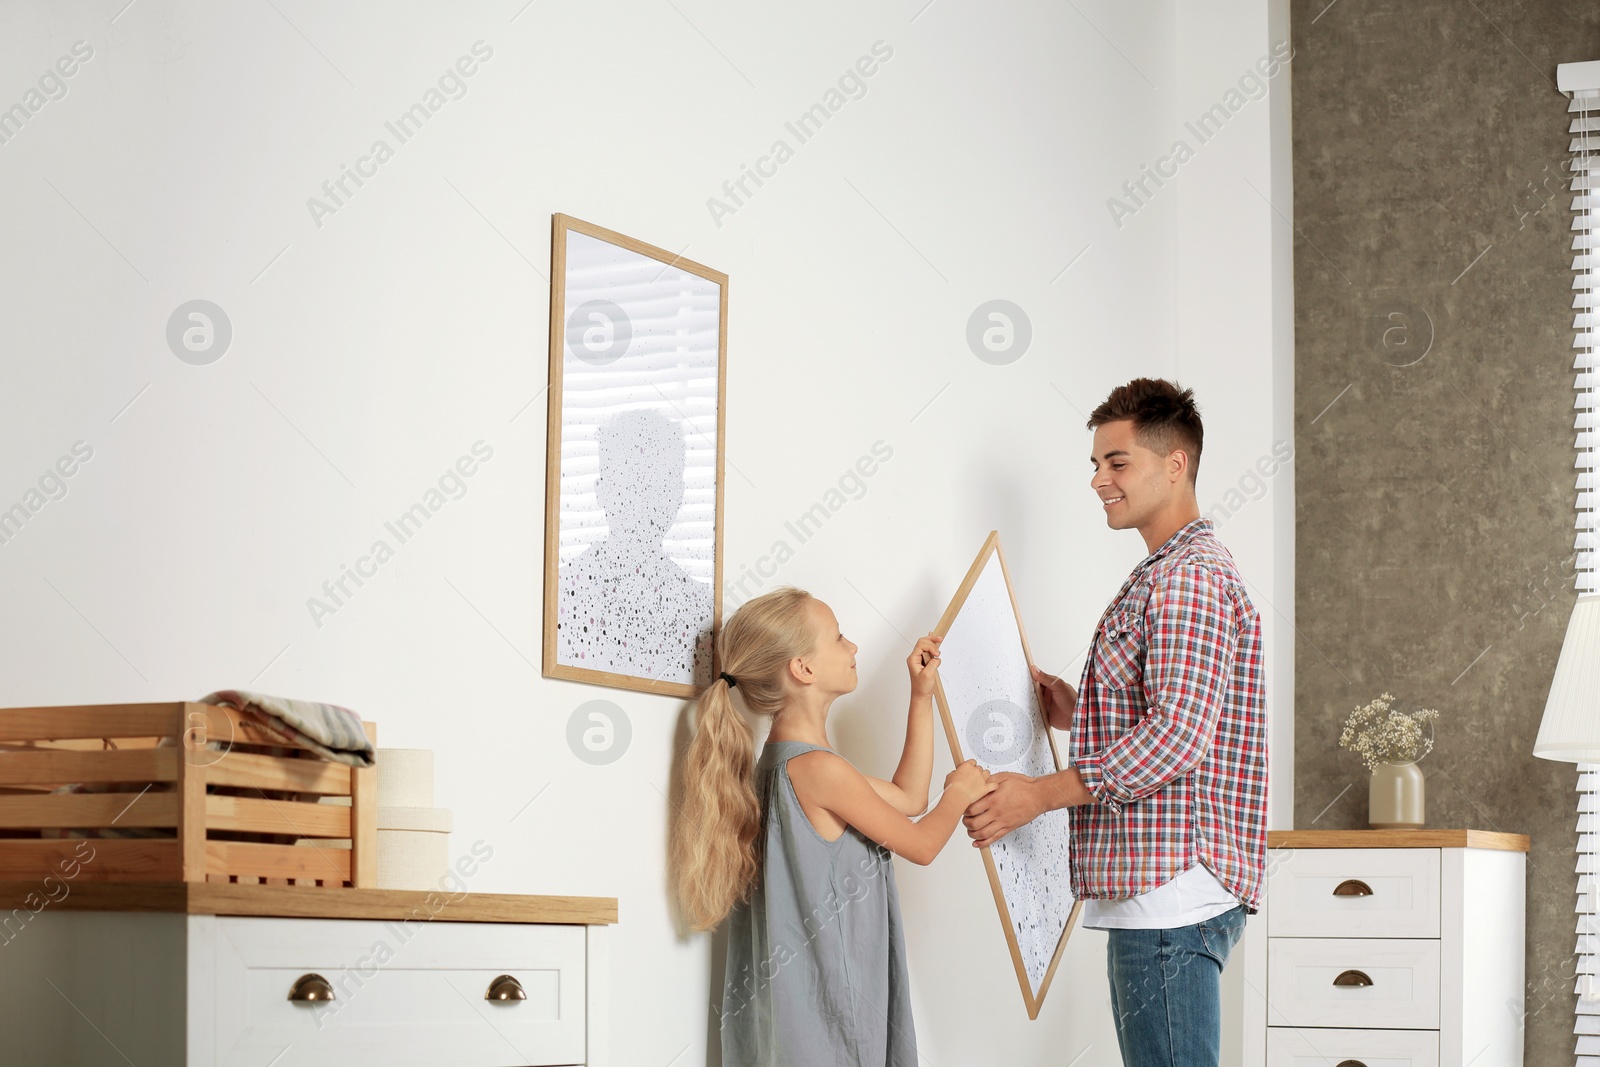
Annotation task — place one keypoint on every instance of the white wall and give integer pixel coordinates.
(379, 346)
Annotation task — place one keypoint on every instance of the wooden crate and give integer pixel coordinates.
(163, 788)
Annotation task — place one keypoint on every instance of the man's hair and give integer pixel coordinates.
(1165, 418)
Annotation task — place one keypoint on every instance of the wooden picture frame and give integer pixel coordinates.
(633, 534)
(979, 657)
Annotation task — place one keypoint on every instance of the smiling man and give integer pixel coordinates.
(1167, 776)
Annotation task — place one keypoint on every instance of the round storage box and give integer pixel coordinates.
(405, 778)
(413, 847)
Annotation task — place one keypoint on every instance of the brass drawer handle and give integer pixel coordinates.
(1352, 978)
(309, 988)
(505, 987)
(1351, 1063)
(1352, 887)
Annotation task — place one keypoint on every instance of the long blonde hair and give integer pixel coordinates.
(713, 850)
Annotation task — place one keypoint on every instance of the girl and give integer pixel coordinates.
(795, 851)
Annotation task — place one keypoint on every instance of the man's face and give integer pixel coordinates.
(1132, 482)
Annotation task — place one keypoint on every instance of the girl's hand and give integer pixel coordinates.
(924, 665)
(969, 781)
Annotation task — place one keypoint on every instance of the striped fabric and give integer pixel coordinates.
(1170, 732)
(332, 732)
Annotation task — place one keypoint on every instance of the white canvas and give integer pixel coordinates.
(994, 709)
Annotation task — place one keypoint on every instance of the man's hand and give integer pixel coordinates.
(1057, 698)
(1013, 801)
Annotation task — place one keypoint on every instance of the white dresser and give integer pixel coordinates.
(1388, 948)
(239, 976)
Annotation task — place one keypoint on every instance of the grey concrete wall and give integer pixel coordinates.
(1434, 517)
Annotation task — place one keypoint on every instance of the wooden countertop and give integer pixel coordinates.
(304, 902)
(1397, 839)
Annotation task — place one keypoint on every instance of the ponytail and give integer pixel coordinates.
(717, 839)
(713, 850)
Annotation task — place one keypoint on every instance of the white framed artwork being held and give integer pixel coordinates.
(991, 712)
(633, 480)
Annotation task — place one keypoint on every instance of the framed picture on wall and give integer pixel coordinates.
(633, 479)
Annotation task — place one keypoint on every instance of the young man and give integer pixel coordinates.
(1167, 781)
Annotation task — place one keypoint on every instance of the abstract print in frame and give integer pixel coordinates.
(633, 478)
(991, 712)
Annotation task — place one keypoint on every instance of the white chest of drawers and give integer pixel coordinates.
(1388, 949)
(112, 975)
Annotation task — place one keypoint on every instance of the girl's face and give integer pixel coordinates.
(833, 657)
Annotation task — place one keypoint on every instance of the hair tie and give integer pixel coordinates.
(732, 682)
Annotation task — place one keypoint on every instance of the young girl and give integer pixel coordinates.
(795, 852)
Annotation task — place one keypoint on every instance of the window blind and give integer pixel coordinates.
(1585, 172)
(1587, 988)
(1582, 80)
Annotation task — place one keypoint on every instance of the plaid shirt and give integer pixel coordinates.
(1170, 732)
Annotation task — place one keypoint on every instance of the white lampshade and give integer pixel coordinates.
(1570, 729)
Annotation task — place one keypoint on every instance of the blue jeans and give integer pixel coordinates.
(1166, 991)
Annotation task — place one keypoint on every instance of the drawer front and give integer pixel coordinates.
(1310, 986)
(404, 993)
(1287, 1047)
(1353, 892)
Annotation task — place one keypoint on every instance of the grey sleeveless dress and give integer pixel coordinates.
(816, 967)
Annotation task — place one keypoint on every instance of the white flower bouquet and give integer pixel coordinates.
(1380, 734)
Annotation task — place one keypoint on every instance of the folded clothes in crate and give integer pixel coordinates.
(332, 732)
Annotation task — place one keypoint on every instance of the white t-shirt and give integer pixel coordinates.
(1193, 896)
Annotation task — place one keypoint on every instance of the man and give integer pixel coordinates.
(1167, 775)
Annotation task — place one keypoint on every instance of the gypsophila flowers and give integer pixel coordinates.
(1379, 734)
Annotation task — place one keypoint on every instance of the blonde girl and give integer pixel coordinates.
(794, 851)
